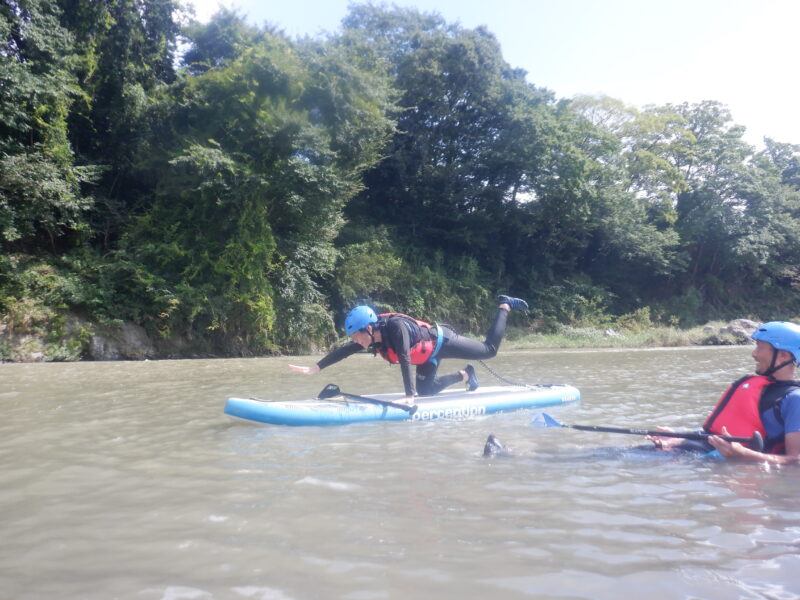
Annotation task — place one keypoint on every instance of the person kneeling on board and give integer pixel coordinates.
(767, 402)
(406, 341)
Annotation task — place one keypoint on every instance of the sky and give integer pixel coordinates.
(742, 53)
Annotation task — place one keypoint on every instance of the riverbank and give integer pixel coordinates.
(80, 341)
(715, 333)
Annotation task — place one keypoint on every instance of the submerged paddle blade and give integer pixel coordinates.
(544, 420)
(329, 391)
(493, 447)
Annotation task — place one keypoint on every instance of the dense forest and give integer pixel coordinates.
(232, 191)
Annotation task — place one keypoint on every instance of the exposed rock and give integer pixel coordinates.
(77, 339)
(735, 333)
(129, 342)
(740, 328)
(22, 347)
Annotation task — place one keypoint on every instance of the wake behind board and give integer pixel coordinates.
(449, 404)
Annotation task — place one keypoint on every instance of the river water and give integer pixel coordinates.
(126, 480)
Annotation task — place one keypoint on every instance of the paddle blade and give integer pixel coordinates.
(758, 442)
(329, 391)
(493, 447)
(544, 420)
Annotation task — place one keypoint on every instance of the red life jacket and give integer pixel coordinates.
(421, 338)
(740, 408)
(737, 409)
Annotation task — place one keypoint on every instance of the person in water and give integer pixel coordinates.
(767, 402)
(404, 340)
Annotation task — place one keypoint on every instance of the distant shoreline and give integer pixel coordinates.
(716, 334)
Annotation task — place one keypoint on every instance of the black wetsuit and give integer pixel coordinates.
(395, 335)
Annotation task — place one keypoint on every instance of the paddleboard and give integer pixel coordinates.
(449, 404)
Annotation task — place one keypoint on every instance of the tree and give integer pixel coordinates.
(635, 246)
(224, 38)
(41, 205)
(126, 56)
(456, 167)
(737, 217)
(263, 152)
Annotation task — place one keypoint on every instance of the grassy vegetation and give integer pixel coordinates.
(567, 336)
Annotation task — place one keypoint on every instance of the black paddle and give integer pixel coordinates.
(331, 390)
(755, 443)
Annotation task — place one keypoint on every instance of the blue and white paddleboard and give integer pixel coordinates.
(449, 404)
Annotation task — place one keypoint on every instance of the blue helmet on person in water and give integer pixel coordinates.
(358, 318)
(781, 335)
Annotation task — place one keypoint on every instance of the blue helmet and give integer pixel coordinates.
(781, 335)
(359, 318)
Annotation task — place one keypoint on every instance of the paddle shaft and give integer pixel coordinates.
(332, 389)
(687, 435)
(405, 407)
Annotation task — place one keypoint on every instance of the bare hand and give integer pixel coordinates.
(664, 443)
(305, 370)
(727, 449)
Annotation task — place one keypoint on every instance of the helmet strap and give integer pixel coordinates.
(773, 368)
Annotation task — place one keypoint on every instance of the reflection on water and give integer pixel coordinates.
(126, 480)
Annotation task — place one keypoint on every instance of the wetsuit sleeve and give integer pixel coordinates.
(790, 411)
(340, 353)
(396, 337)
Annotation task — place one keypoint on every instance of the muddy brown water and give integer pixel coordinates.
(126, 480)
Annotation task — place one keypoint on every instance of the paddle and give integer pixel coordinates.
(755, 443)
(331, 390)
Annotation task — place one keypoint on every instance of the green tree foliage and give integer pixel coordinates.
(264, 151)
(634, 243)
(486, 165)
(371, 272)
(461, 156)
(736, 217)
(226, 37)
(40, 201)
(126, 55)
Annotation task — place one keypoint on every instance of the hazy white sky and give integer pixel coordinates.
(743, 53)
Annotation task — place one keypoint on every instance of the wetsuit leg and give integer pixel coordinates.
(429, 383)
(459, 346)
(699, 446)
